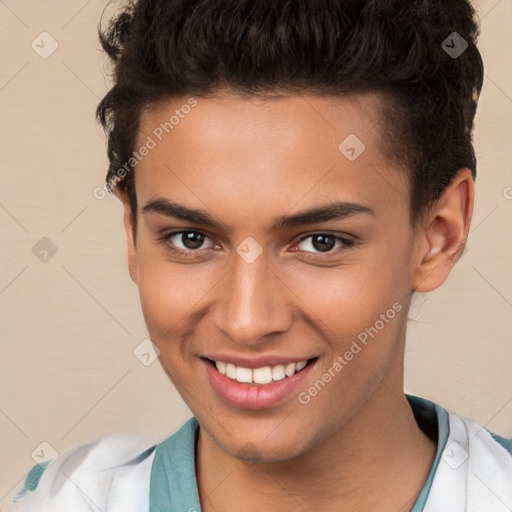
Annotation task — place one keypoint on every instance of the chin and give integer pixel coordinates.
(257, 447)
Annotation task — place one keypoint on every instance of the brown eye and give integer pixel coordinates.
(186, 242)
(192, 239)
(324, 242)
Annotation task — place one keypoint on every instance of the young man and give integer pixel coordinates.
(291, 173)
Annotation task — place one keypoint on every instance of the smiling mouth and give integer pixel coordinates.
(260, 376)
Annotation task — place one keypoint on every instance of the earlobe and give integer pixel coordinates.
(130, 241)
(444, 234)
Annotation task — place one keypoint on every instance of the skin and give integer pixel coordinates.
(355, 446)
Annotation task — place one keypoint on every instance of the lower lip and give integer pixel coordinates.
(255, 396)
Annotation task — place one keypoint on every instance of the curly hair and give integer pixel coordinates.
(161, 49)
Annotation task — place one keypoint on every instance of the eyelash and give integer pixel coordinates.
(191, 253)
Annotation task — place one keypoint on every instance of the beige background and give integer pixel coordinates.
(69, 326)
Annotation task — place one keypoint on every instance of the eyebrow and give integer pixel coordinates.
(332, 211)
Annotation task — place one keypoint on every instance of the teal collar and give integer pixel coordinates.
(173, 486)
(423, 409)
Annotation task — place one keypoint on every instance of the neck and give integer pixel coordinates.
(379, 460)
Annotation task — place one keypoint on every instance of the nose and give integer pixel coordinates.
(252, 303)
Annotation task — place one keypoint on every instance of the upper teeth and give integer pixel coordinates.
(263, 375)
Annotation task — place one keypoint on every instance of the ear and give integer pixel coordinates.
(441, 239)
(129, 231)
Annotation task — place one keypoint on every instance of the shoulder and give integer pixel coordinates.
(482, 444)
(489, 466)
(474, 471)
(502, 441)
(93, 476)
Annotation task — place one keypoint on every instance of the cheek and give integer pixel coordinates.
(364, 348)
(166, 293)
(349, 298)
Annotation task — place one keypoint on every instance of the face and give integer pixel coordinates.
(231, 267)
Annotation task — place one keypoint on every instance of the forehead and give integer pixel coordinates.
(228, 118)
(261, 151)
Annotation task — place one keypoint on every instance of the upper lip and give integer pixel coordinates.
(256, 362)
